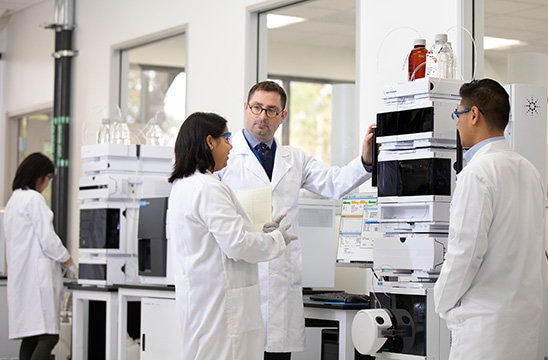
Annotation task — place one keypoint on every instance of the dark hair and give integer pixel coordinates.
(490, 98)
(33, 167)
(269, 86)
(191, 150)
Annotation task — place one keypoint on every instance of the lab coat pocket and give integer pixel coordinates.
(243, 309)
(49, 290)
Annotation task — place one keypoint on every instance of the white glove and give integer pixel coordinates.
(273, 225)
(71, 271)
(287, 236)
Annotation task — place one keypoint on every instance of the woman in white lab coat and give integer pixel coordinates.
(214, 249)
(35, 257)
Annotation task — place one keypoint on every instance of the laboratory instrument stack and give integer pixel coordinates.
(120, 181)
(415, 180)
(416, 173)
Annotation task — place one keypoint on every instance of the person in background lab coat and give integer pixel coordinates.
(490, 289)
(215, 248)
(288, 170)
(35, 258)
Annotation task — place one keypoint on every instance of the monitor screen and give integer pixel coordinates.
(151, 234)
(100, 228)
(358, 228)
(152, 218)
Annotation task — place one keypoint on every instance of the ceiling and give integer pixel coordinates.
(524, 20)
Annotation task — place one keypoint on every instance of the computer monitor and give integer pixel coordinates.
(358, 228)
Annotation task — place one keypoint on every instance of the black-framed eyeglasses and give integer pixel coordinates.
(257, 110)
(455, 115)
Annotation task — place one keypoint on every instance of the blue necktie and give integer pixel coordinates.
(267, 160)
(262, 150)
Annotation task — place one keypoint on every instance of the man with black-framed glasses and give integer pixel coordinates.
(490, 289)
(258, 159)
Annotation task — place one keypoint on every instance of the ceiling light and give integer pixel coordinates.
(275, 21)
(493, 43)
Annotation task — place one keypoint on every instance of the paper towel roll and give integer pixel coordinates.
(367, 328)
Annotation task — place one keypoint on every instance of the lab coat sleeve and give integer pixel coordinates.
(231, 228)
(42, 220)
(470, 218)
(333, 181)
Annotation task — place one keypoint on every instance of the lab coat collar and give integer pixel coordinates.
(281, 163)
(482, 144)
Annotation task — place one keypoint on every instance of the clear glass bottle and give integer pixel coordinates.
(453, 63)
(103, 135)
(439, 59)
(120, 132)
(154, 134)
(417, 60)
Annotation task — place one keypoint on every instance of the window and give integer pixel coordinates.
(308, 125)
(310, 54)
(153, 86)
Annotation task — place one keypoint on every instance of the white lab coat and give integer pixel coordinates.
(215, 252)
(281, 278)
(34, 255)
(490, 289)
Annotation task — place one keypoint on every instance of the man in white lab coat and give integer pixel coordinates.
(490, 289)
(288, 170)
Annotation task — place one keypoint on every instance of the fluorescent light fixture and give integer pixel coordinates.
(493, 43)
(275, 21)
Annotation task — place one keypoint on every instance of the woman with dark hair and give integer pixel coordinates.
(215, 251)
(35, 256)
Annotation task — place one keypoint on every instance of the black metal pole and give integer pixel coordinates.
(64, 13)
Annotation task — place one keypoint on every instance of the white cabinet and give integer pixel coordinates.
(9, 349)
(160, 331)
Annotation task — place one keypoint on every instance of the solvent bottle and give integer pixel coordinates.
(453, 63)
(154, 134)
(103, 135)
(120, 132)
(417, 60)
(439, 59)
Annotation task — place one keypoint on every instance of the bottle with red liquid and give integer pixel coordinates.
(417, 60)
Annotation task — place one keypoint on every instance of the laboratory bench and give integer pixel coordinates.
(113, 317)
(335, 320)
(9, 349)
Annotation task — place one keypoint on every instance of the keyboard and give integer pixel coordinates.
(340, 297)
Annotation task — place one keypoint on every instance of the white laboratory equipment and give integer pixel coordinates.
(403, 325)
(526, 130)
(317, 233)
(120, 181)
(415, 182)
(414, 213)
(2, 245)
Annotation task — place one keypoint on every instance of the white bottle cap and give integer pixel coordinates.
(441, 37)
(420, 42)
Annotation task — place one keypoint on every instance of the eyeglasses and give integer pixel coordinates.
(455, 115)
(257, 110)
(227, 136)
